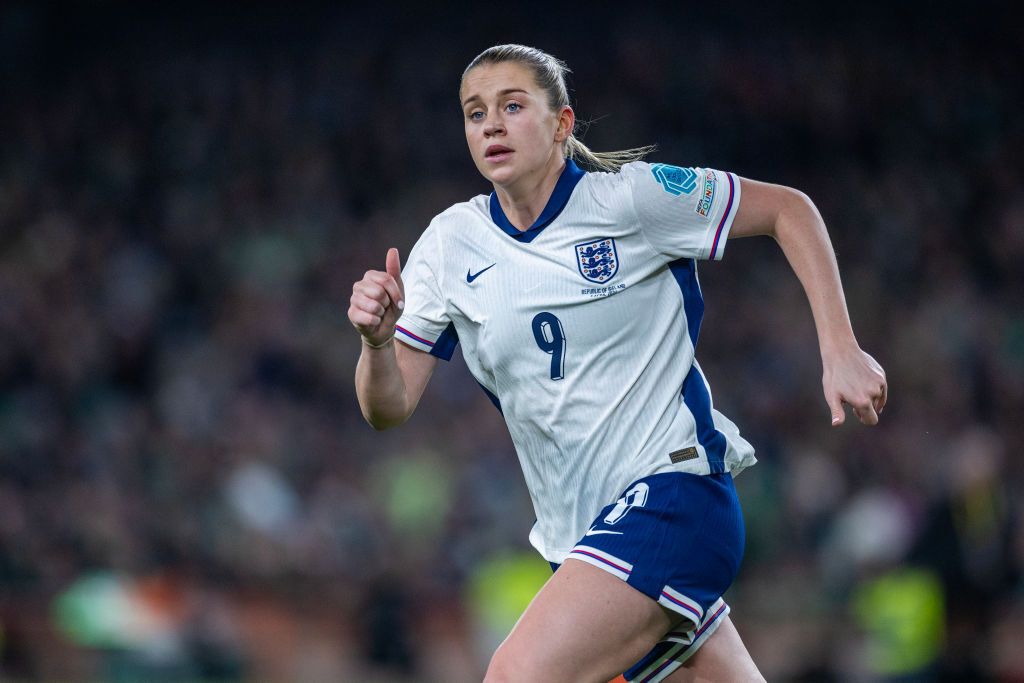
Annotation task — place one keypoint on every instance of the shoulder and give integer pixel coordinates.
(457, 215)
(654, 184)
(454, 219)
(610, 191)
(638, 175)
(639, 185)
(449, 227)
(668, 178)
(470, 210)
(606, 180)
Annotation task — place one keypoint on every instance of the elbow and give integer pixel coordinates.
(380, 422)
(799, 202)
(382, 412)
(795, 212)
(794, 203)
(377, 425)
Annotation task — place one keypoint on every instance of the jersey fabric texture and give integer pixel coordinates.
(582, 330)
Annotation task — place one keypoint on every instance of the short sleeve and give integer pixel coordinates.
(683, 212)
(424, 323)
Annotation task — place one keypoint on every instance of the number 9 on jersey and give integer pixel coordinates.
(547, 330)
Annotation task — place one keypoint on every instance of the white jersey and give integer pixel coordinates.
(582, 331)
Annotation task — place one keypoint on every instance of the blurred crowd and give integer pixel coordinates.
(187, 488)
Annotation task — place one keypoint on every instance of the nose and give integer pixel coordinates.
(494, 126)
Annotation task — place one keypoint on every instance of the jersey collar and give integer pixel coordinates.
(571, 175)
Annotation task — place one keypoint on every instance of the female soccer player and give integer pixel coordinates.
(575, 297)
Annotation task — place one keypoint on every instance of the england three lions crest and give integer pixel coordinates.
(598, 260)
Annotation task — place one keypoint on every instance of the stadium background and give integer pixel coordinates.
(187, 490)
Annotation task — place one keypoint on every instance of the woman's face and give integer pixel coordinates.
(511, 131)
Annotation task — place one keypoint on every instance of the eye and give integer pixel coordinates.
(513, 107)
(476, 116)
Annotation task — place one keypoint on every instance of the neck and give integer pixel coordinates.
(524, 201)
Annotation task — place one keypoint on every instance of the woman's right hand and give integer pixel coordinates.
(377, 302)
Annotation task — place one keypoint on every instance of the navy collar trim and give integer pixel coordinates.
(571, 175)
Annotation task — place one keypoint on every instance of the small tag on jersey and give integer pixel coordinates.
(707, 197)
(683, 455)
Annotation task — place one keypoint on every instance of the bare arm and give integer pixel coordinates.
(390, 382)
(849, 374)
(390, 377)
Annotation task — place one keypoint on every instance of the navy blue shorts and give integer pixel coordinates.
(678, 539)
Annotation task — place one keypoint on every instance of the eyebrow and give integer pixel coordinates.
(506, 91)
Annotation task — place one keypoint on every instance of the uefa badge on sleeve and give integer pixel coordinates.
(675, 180)
(598, 261)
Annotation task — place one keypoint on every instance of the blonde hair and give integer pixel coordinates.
(549, 73)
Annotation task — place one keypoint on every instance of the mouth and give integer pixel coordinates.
(497, 153)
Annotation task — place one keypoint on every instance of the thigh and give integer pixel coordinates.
(584, 625)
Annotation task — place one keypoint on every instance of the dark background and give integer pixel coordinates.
(187, 489)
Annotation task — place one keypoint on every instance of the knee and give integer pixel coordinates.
(497, 674)
(507, 668)
(500, 669)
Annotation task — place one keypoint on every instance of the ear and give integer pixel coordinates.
(566, 123)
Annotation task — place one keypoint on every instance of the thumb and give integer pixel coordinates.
(393, 265)
(394, 268)
(835, 404)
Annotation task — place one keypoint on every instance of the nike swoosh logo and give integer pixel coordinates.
(592, 532)
(472, 276)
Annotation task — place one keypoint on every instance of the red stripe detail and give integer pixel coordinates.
(601, 559)
(721, 223)
(696, 634)
(682, 604)
(407, 332)
(676, 656)
(660, 668)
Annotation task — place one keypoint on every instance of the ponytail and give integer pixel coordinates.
(611, 162)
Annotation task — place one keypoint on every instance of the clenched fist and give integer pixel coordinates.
(377, 302)
(854, 377)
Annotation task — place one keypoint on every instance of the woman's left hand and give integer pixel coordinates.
(852, 376)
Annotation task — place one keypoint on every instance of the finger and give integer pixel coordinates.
(394, 268)
(878, 398)
(866, 413)
(394, 292)
(373, 290)
(835, 404)
(885, 396)
(362, 320)
(388, 284)
(365, 303)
